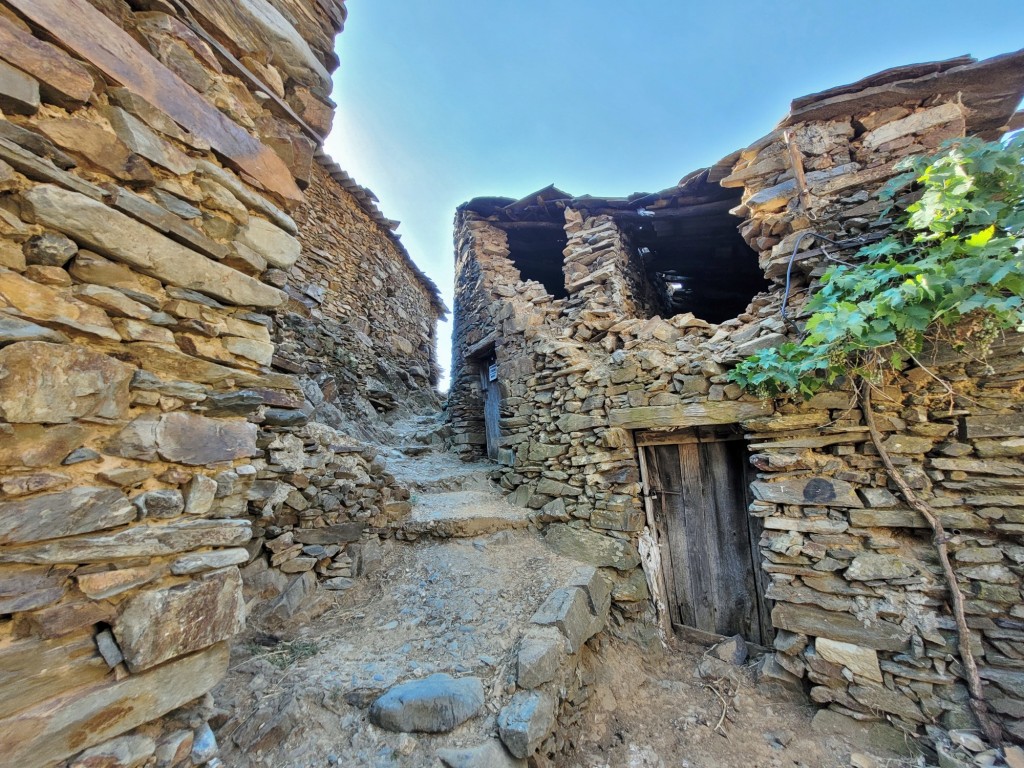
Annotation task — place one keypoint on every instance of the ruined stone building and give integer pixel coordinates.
(194, 299)
(592, 341)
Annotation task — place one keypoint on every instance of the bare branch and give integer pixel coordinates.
(991, 728)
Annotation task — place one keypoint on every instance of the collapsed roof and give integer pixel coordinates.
(990, 89)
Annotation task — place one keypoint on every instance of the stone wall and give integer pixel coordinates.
(860, 609)
(150, 164)
(360, 311)
(483, 274)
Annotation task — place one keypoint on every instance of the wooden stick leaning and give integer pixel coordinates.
(991, 729)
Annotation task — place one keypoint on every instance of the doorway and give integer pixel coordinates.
(699, 483)
(490, 390)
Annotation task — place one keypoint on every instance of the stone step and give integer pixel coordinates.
(430, 471)
(462, 514)
(470, 480)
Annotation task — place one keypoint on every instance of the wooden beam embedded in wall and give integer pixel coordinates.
(796, 162)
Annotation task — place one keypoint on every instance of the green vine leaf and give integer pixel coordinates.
(954, 263)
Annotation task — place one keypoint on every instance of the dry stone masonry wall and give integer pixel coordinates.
(353, 268)
(860, 608)
(154, 435)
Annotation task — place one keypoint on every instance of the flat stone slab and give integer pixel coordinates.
(591, 547)
(882, 699)
(44, 735)
(844, 627)
(490, 754)
(65, 513)
(872, 566)
(38, 445)
(49, 383)
(340, 533)
(435, 704)
(15, 329)
(120, 752)
(687, 415)
(160, 624)
(464, 514)
(138, 541)
(122, 238)
(192, 439)
(812, 491)
(860, 661)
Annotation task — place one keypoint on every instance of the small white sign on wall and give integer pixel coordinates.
(492, 372)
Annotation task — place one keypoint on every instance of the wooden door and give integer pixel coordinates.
(699, 485)
(492, 404)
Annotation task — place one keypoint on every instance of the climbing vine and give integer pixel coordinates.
(952, 269)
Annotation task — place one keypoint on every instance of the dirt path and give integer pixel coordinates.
(654, 710)
(457, 606)
(460, 606)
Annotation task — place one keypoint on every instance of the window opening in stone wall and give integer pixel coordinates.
(699, 265)
(695, 260)
(536, 251)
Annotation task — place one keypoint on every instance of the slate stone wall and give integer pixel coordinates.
(860, 609)
(151, 168)
(359, 310)
(482, 273)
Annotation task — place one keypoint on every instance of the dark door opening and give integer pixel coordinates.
(491, 393)
(699, 484)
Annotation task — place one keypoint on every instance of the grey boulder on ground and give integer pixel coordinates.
(732, 650)
(526, 721)
(435, 704)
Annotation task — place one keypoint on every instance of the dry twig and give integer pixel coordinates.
(713, 687)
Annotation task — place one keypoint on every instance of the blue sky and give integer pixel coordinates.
(440, 101)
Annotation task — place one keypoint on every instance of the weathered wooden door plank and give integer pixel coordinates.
(653, 482)
(736, 600)
(670, 490)
(755, 527)
(697, 521)
(491, 392)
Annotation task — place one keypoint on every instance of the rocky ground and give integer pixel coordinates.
(454, 595)
(454, 606)
(657, 709)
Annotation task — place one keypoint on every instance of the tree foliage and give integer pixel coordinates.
(952, 269)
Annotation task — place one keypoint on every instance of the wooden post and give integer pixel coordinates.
(796, 162)
(650, 557)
